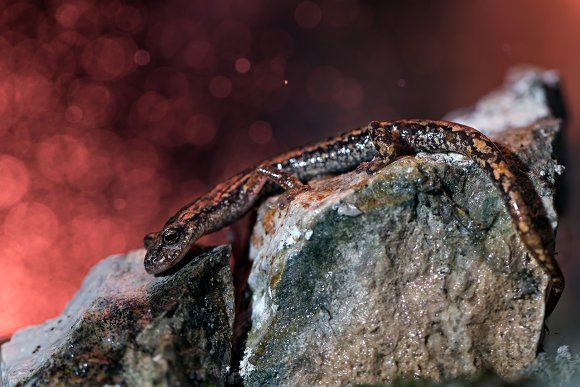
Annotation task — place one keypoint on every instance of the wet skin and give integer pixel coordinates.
(380, 142)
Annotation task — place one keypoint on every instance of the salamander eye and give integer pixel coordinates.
(171, 236)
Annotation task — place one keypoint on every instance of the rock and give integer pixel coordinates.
(126, 327)
(416, 271)
(561, 369)
(556, 370)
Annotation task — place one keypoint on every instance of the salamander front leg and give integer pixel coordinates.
(386, 142)
(289, 182)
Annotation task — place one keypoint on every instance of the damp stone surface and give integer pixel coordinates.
(126, 327)
(416, 271)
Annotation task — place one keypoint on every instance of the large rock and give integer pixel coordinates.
(127, 327)
(417, 270)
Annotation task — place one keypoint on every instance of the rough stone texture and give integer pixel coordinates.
(416, 271)
(126, 327)
(555, 370)
(561, 369)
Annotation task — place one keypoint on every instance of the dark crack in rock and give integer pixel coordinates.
(125, 327)
(416, 271)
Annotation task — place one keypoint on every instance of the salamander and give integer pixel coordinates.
(379, 142)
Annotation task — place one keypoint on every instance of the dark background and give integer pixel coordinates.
(113, 114)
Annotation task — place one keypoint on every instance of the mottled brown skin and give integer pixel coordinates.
(381, 141)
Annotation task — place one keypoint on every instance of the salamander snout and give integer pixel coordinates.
(168, 247)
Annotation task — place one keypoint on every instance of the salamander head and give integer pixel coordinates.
(167, 247)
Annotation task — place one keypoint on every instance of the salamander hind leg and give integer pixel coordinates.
(385, 139)
(289, 182)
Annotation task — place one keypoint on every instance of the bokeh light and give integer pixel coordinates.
(260, 132)
(115, 113)
(31, 227)
(14, 177)
(108, 58)
(308, 14)
(220, 86)
(142, 57)
(199, 130)
(243, 65)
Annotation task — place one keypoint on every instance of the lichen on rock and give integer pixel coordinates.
(415, 271)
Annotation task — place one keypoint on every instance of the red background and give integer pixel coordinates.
(113, 114)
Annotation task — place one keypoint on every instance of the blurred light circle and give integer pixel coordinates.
(62, 158)
(103, 147)
(116, 241)
(33, 95)
(73, 114)
(308, 14)
(260, 132)
(77, 204)
(32, 225)
(220, 86)
(67, 15)
(108, 58)
(200, 130)
(152, 107)
(91, 21)
(130, 176)
(242, 65)
(72, 38)
(15, 179)
(142, 57)
(119, 204)
(94, 100)
(199, 55)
